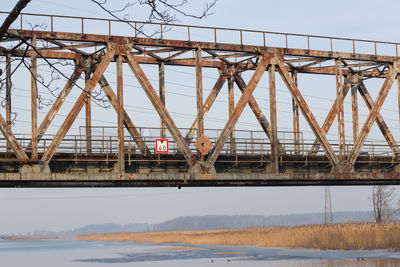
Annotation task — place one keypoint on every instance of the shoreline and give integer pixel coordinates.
(29, 237)
(350, 236)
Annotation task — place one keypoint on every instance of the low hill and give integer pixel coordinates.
(209, 222)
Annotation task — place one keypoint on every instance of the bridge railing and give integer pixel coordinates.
(86, 25)
(104, 141)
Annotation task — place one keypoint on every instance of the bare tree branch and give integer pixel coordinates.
(12, 16)
(165, 12)
(382, 196)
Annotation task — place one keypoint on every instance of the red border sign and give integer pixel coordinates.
(160, 148)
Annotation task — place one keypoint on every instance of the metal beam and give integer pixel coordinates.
(231, 107)
(340, 116)
(398, 94)
(199, 94)
(120, 97)
(241, 104)
(8, 95)
(207, 104)
(354, 112)
(329, 70)
(255, 108)
(379, 120)
(161, 80)
(161, 110)
(372, 116)
(319, 133)
(274, 126)
(88, 116)
(48, 154)
(329, 119)
(34, 93)
(183, 44)
(59, 101)
(296, 120)
(9, 136)
(130, 127)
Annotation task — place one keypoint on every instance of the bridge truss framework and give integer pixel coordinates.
(196, 159)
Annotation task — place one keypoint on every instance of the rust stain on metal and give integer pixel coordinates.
(296, 120)
(88, 116)
(10, 137)
(340, 113)
(354, 112)
(231, 107)
(274, 122)
(34, 95)
(161, 81)
(8, 96)
(227, 164)
(120, 111)
(199, 94)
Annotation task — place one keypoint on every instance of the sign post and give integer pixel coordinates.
(162, 146)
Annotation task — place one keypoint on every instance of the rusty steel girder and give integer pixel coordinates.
(199, 160)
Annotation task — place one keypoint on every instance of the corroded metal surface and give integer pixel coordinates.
(228, 157)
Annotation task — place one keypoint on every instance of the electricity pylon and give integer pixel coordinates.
(328, 206)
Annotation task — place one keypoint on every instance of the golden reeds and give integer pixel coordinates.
(331, 236)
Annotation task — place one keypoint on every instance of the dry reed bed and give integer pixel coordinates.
(334, 236)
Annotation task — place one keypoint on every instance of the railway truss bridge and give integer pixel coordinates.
(197, 156)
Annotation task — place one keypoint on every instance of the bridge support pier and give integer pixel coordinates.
(396, 168)
(38, 171)
(344, 167)
(202, 170)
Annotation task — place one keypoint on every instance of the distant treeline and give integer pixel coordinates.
(209, 222)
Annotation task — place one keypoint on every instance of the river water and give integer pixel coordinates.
(67, 252)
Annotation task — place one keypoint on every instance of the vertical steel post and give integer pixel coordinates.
(354, 112)
(33, 70)
(296, 122)
(199, 93)
(231, 107)
(120, 96)
(340, 117)
(161, 79)
(88, 117)
(8, 96)
(398, 93)
(273, 119)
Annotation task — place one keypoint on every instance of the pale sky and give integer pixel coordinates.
(25, 210)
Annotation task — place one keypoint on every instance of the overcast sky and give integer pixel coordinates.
(24, 210)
